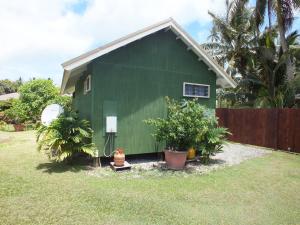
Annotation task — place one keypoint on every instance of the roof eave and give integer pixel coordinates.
(64, 81)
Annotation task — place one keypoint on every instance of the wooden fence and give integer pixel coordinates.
(272, 128)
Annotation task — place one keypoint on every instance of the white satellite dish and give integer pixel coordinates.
(50, 113)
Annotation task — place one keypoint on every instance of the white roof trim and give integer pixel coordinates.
(84, 59)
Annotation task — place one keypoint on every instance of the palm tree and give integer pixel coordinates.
(271, 61)
(232, 36)
(284, 11)
(241, 47)
(232, 40)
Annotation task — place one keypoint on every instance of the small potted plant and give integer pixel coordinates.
(18, 124)
(182, 129)
(19, 127)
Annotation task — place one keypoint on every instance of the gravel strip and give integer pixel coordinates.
(232, 154)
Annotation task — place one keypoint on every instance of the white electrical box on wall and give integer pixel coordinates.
(111, 124)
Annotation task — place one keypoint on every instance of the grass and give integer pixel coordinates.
(7, 128)
(10, 127)
(35, 191)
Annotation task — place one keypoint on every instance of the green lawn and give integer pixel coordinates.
(36, 191)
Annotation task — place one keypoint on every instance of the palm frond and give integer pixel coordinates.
(260, 12)
(65, 136)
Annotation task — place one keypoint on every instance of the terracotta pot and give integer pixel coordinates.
(119, 157)
(19, 127)
(175, 160)
(191, 153)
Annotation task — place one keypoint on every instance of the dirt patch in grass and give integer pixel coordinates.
(5, 140)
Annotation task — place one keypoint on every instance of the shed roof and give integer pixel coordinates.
(74, 67)
(5, 97)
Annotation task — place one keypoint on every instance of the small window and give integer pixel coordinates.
(196, 90)
(87, 84)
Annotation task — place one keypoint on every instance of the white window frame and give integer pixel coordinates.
(196, 96)
(87, 80)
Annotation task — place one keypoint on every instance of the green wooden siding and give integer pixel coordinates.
(131, 83)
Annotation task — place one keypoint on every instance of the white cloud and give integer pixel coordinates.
(38, 35)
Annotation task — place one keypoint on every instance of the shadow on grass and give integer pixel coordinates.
(61, 167)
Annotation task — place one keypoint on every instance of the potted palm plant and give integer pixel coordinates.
(183, 128)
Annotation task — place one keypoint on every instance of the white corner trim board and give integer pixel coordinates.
(168, 24)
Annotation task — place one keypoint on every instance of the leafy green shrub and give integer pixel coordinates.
(6, 127)
(65, 137)
(63, 100)
(3, 125)
(184, 126)
(4, 105)
(8, 86)
(35, 95)
(18, 113)
(214, 138)
(189, 124)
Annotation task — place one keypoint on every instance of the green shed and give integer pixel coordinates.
(122, 83)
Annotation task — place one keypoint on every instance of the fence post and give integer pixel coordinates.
(277, 129)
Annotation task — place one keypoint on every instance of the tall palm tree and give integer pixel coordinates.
(232, 43)
(240, 46)
(284, 11)
(232, 36)
(271, 61)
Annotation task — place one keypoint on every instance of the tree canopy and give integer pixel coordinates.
(7, 86)
(35, 95)
(265, 66)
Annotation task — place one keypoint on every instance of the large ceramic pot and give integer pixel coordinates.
(19, 127)
(175, 159)
(119, 157)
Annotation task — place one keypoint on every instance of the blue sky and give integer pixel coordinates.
(38, 36)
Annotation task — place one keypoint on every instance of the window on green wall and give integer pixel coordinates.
(196, 90)
(87, 84)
